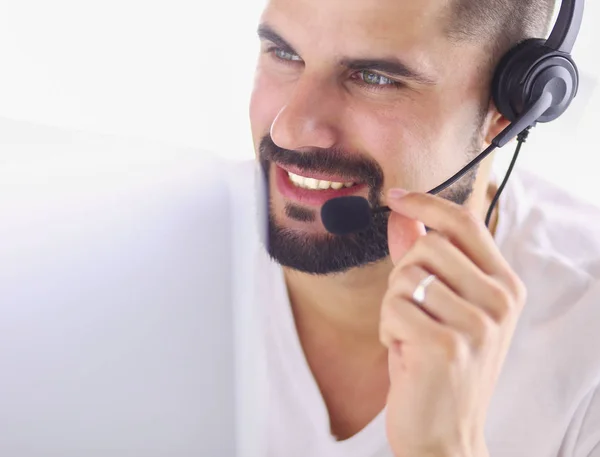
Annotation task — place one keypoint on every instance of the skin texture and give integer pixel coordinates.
(367, 344)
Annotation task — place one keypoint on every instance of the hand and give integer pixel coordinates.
(444, 356)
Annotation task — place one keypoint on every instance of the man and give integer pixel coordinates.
(386, 99)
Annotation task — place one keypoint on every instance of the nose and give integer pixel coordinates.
(309, 119)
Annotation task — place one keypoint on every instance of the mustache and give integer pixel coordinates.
(349, 167)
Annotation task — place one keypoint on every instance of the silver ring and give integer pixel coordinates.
(419, 294)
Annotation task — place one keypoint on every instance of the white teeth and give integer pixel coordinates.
(311, 183)
(315, 184)
(296, 179)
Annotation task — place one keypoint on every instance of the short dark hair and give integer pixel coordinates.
(498, 24)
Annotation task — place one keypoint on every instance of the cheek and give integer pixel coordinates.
(415, 141)
(398, 138)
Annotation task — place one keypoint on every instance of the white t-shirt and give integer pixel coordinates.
(547, 399)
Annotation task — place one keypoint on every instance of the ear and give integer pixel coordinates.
(497, 123)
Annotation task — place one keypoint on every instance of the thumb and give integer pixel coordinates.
(395, 361)
(402, 234)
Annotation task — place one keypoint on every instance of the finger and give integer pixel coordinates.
(458, 224)
(414, 339)
(446, 306)
(440, 257)
(402, 234)
(403, 321)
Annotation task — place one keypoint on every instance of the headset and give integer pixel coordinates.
(534, 82)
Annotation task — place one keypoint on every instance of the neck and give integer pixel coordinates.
(346, 304)
(483, 194)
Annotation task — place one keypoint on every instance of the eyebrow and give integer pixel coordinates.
(391, 66)
(266, 32)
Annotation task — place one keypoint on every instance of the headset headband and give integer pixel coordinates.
(567, 26)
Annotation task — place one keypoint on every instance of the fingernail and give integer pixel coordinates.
(397, 194)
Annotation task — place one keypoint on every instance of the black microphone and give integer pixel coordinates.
(346, 215)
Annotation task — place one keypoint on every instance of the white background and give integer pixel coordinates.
(181, 71)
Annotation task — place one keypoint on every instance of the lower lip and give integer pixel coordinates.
(309, 196)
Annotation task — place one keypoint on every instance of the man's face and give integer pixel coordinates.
(354, 97)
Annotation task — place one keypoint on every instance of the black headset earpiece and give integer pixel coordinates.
(529, 70)
(538, 68)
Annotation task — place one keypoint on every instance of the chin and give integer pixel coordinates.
(307, 247)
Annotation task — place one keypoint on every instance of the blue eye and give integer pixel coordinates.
(375, 82)
(285, 55)
(375, 79)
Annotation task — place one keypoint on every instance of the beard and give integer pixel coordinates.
(324, 254)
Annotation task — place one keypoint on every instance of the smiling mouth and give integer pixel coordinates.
(317, 184)
(304, 182)
(313, 188)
